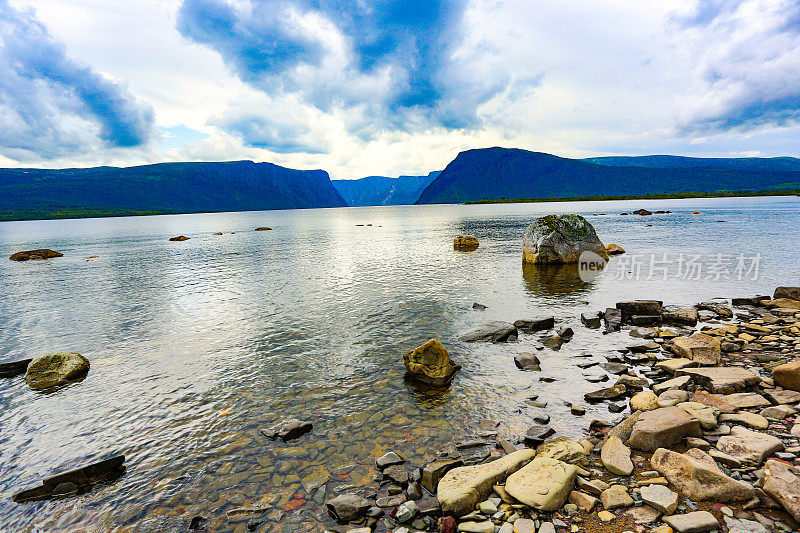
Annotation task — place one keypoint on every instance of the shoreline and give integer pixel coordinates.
(660, 196)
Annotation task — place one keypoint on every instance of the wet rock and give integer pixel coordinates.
(389, 459)
(478, 307)
(494, 331)
(430, 364)
(780, 481)
(179, 238)
(698, 477)
(465, 243)
(643, 347)
(660, 498)
(663, 428)
(694, 522)
(616, 457)
(536, 435)
(73, 481)
(527, 361)
(543, 484)
(590, 320)
(348, 507)
(263, 228)
(462, 488)
(787, 375)
(55, 369)
(396, 473)
(532, 325)
(642, 212)
(288, 430)
(673, 365)
(610, 393)
(14, 368)
(639, 308)
(701, 348)
(749, 447)
(433, 472)
(35, 255)
(613, 319)
(554, 342)
(406, 512)
(722, 380)
(560, 239)
(614, 249)
(615, 368)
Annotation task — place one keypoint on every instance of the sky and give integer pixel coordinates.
(393, 87)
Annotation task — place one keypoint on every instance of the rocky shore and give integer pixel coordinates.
(711, 444)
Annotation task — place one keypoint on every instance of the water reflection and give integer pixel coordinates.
(555, 280)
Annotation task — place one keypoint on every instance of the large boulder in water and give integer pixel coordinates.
(55, 369)
(560, 239)
(35, 254)
(430, 364)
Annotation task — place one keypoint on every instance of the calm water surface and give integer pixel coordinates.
(195, 346)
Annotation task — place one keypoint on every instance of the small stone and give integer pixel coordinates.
(694, 522)
(606, 516)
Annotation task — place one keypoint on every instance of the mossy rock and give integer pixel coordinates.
(55, 369)
(430, 364)
(560, 239)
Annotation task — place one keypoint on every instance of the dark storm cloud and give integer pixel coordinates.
(389, 59)
(46, 98)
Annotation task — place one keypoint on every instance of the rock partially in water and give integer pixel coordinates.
(527, 361)
(614, 249)
(263, 228)
(613, 319)
(534, 324)
(55, 369)
(465, 243)
(494, 331)
(610, 393)
(288, 430)
(791, 293)
(78, 480)
(433, 472)
(179, 238)
(32, 255)
(642, 212)
(640, 308)
(560, 239)
(591, 320)
(680, 316)
(14, 368)
(430, 364)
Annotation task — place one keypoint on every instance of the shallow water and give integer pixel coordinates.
(195, 346)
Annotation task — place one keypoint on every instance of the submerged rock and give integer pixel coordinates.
(288, 430)
(430, 364)
(55, 369)
(465, 243)
(348, 507)
(75, 481)
(494, 331)
(30, 255)
(560, 239)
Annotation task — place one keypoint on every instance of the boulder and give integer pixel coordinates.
(749, 447)
(494, 331)
(179, 238)
(644, 401)
(640, 308)
(663, 428)
(527, 361)
(701, 348)
(465, 243)
(694, 522)
(560, 239)
(723, 379)
(534, 324)
(659, 497)
(787, 375)
(32, 255)
(464, 487)
(616, 457)
(430, 364)
(348, 507)
(780, 481)
(543, 484)
(613, 319)
(784, 303)
(791, 293)
(681, 316)
(698, 477)
(614, 249)
(590, 320)
(55, 369)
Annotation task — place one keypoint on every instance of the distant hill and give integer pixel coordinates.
(791, 164)
(162, 188)
(380, 190)
(495, 173)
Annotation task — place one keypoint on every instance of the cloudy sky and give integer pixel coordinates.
(390, 87)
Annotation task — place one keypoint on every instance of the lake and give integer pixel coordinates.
(196, 346)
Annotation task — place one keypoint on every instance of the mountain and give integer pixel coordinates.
(162, 188)
(791, 164)
(380, 190)
(493, 173)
